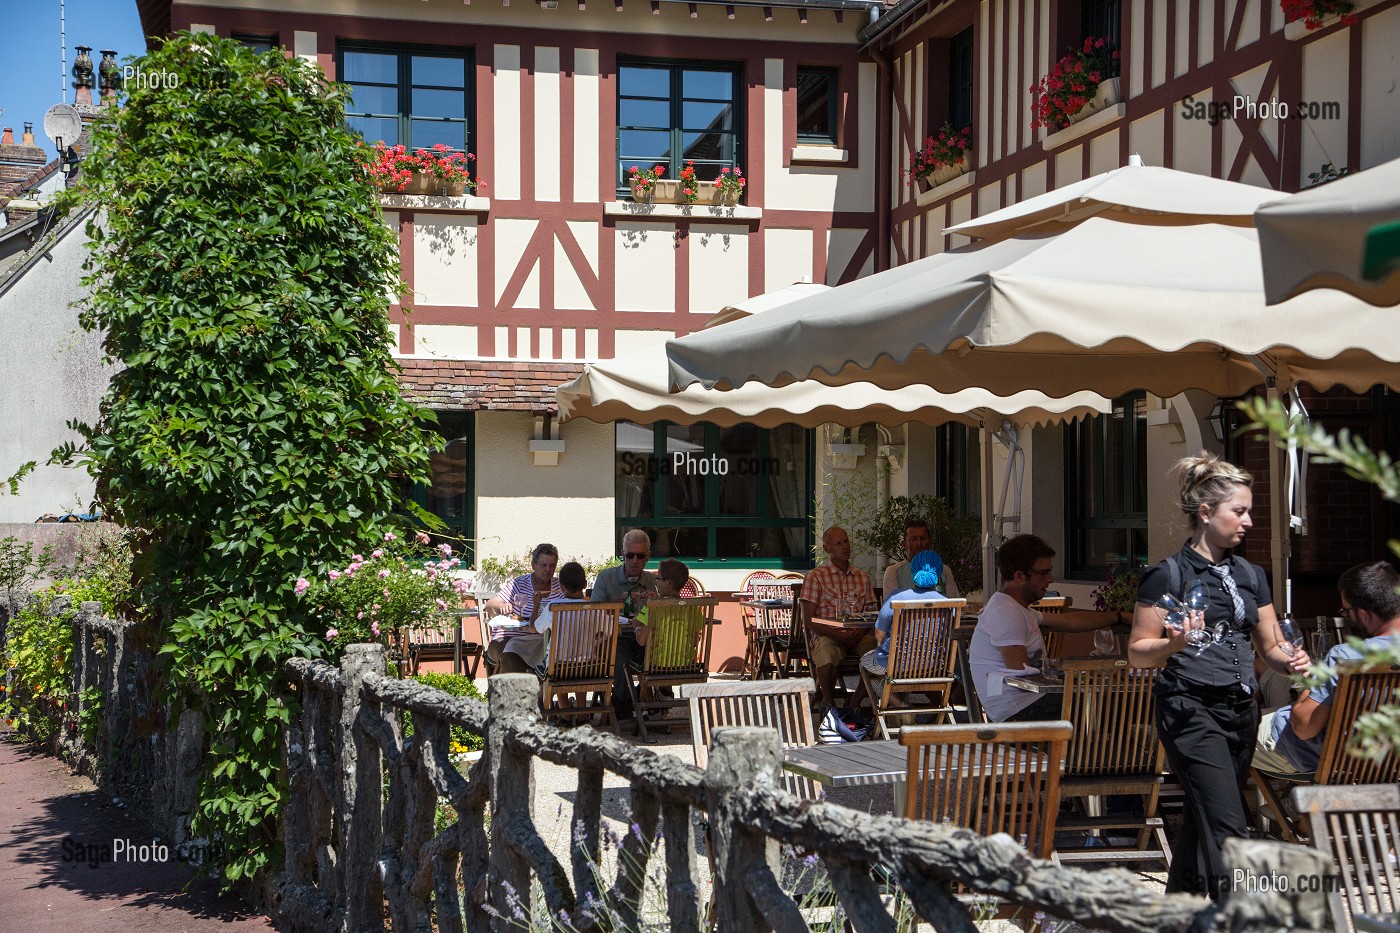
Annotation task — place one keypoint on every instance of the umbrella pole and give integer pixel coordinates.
(1280, 508)
(989, 544)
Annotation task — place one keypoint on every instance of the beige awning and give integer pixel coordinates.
(1317, 238)
(634, 387)
(1117, 302)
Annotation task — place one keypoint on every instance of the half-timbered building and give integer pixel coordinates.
(819, 102)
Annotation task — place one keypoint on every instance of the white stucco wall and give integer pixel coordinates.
(520, 505)
(50, 372)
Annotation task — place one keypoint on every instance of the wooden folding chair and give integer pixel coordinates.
(1114, 751)
(1360, 689)
(1002, 778)
(962, 647)
(677, 652)
(797, 660)
(582, 658)
(442, 639)
(1053, 605)
(922, 660)
(784, 705)
(1359, 826)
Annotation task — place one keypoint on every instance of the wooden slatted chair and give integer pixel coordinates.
(677, 652)
(1114, 751)
(1360, 689)
(582, 655)
(962, 647)
(436, 640)
(797, 662)
(1359, 826)
(1002, 778)
(783, 705)
(1054, 605)
(922, 661)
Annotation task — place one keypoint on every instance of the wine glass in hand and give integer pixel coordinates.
(1197, 599)
(1292, 638)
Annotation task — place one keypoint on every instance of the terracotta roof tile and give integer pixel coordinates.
(476, 385)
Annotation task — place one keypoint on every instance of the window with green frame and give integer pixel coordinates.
(451, 495)
(415, 96)
(816, 105)
(1106, 489)
(710, 494)
(958, 476)
(670, 113)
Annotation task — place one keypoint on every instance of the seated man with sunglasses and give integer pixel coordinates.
(631, 584)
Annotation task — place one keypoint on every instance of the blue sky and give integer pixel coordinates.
(31, 57)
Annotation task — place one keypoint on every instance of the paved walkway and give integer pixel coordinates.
(48, 819)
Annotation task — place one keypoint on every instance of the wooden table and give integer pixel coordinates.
(859, 764)
(1038, 683)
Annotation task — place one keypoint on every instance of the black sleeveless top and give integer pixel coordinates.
(1228, 663)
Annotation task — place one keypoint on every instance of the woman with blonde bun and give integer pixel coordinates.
(1207, 713)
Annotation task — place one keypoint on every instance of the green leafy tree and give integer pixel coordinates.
(253, 433)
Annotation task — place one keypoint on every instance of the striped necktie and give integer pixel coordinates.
(1228, 581)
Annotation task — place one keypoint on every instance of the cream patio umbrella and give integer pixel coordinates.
(633, 387)
(1099, 292)
(1319, 238)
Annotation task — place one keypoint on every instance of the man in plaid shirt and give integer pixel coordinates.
(830, 590)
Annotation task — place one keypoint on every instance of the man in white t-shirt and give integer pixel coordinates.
(1007, 638)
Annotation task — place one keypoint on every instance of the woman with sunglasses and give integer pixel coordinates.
(1206, 695)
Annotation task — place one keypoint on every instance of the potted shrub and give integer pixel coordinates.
(942, 158)
(1313, 12)
(1083, 82)
(644, 183)
(1119, 592)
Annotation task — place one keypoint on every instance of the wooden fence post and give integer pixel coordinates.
(510, 697)
(361, 792)
(739, 758)
(1276, 885)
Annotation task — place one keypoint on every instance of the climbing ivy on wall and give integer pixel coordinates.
(253, 432)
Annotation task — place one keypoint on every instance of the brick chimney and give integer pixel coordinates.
(28, 138)
(8, 139)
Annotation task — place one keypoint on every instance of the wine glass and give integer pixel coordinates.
(1172, 610)
(1197, 599)
(1292, 638)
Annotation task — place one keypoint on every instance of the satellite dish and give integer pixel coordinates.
(63, 122)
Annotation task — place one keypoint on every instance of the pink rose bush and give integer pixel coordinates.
(400, 584)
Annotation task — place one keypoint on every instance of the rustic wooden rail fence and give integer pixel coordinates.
(356, 853)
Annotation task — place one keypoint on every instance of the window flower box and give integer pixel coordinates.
(943, 158)
(1317, 14)
(1070, 92)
